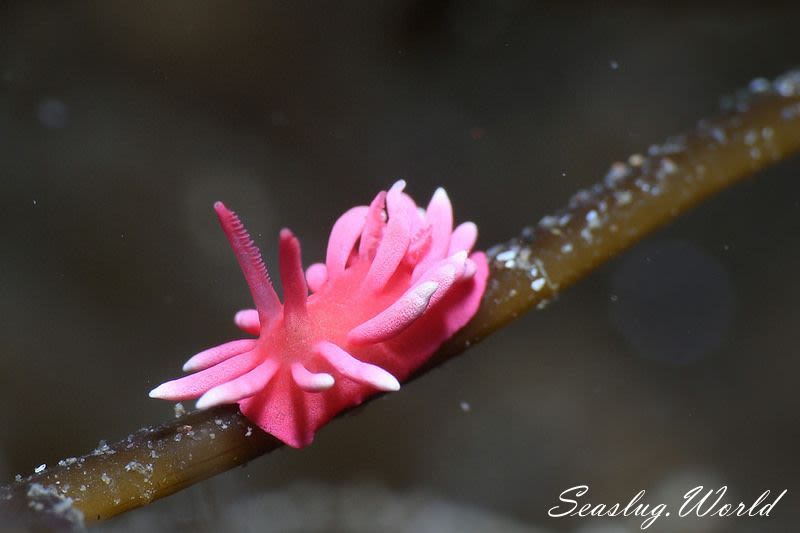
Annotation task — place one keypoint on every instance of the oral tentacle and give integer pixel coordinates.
(217, 354)
(194, 385)
(247, 321)
(242, 387)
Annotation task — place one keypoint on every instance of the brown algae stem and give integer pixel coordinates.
(153, 462)
(761, 125)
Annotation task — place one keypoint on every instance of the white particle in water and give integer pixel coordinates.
(249, 431)
(755, 153)
(39, 469)
(180, 410)
(566, 248)
(105, 478)
(53, 113)
(613, 64)
(750, 138)
(465, 406)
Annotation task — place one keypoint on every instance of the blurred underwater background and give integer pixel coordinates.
(670, 367)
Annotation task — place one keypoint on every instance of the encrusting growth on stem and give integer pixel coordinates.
(760, 126)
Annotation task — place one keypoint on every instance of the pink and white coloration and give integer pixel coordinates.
(396, 283)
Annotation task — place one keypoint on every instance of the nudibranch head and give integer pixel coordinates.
(397, 282)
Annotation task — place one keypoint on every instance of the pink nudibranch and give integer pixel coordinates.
(397, 282)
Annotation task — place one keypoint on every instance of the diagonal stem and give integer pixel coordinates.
(761, 127)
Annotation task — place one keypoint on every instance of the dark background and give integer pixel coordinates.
(673, 366)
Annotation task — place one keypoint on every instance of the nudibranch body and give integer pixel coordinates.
(397, 282)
